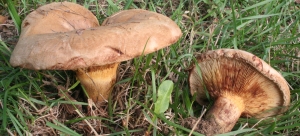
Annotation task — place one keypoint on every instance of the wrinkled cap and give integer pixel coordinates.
(123, 36)
(58, 17)
(263, 90)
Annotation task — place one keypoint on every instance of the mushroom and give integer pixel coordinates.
(93, 52)
(241, 84)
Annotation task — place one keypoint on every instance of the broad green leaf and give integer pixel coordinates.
(163, 96)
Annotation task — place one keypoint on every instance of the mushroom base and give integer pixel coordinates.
(223, 115)
(98, 81)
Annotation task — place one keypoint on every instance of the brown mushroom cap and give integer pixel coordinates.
(262, 90)
(123, 36)
(58, 17)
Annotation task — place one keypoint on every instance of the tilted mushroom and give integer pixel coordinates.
(94, 52)
(241, 84)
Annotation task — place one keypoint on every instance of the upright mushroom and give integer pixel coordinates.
(93, 51)
(241, 84)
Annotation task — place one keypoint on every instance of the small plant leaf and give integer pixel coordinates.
(163, 96)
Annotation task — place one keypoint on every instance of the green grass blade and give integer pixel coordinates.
(128, 4)
(15, 122)
(259, 16)
(4, 111)
(113, 6)
(257, 5)
(61, 127)
(237, 132)
(14, 14)
(153, 85)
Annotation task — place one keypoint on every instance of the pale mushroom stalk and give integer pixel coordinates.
(98, 81)
(240, 84)
(223, 115)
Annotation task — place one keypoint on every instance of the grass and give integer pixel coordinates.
(31, 103)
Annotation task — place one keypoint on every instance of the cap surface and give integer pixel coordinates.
(228, 71)
(58, 17)
(123, 36)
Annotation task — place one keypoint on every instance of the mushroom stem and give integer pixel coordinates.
(223, 115)
(98, 81)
